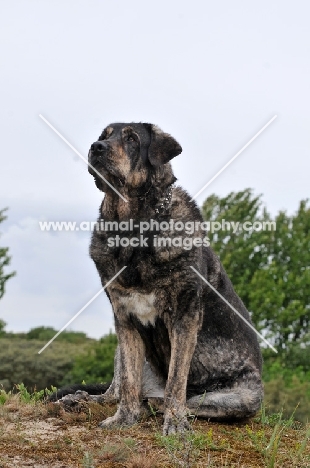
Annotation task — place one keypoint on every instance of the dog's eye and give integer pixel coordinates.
(130, 138)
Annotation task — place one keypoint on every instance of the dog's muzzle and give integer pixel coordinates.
(97, 152)
(99, 147)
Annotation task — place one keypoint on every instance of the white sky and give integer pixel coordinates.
(210, 73)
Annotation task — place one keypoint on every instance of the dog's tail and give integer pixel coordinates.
(92, 389)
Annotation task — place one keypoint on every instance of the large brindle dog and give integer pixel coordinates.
(180, 345)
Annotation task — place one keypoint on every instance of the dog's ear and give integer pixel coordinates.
(163, 146)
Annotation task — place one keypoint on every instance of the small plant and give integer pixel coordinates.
(258, 438)
(28, 397)
(25, 396)
(117, 452)
(272, 448)
(303, 444)
(88, 461)
(4, 396)
(272, 419)
(185, 448)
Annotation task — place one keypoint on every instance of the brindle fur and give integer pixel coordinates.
(180, 345)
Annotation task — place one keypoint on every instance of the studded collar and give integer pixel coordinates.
(163, 205)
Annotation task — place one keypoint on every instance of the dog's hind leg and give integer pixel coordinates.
(241, 401)
(153, 386)
(113, 392)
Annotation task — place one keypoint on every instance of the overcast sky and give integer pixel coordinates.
(210, 73)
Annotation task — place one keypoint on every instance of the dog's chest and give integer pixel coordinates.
(141, 306)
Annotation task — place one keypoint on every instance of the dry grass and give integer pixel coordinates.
(37, 435)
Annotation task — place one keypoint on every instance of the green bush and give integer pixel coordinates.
(47, 333)
(20, 362)
(292, 396)
(97, 364)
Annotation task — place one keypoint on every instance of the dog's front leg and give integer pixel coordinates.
(132, 354)
(183, 343)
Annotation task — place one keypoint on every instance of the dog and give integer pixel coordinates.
(179, 344)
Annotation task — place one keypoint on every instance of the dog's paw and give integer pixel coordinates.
(122, 418)
(175, 423)
(101, 399)
(73, 401)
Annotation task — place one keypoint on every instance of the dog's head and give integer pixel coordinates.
(125, 154)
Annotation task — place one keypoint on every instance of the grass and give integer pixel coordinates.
(32, 432)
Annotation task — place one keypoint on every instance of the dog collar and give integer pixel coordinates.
(163, 206)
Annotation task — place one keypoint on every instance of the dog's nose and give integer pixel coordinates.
(98, 147)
